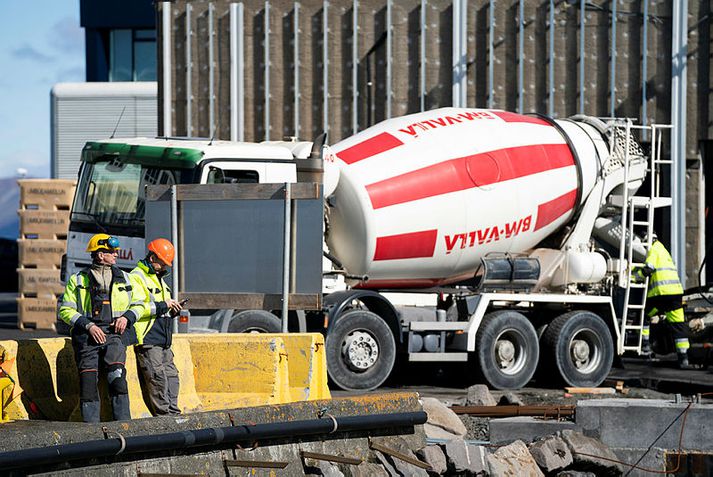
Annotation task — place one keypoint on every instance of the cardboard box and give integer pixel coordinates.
(44, 224)
(41, 253)
(40, 282)
(46, 194)
(37, 313)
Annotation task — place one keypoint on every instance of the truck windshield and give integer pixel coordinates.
(112, 192)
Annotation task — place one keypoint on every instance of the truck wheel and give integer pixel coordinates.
(360, 351)
(507, 349)
(254, 321)
(579, 345)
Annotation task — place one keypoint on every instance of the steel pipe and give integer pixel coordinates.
(222, 436)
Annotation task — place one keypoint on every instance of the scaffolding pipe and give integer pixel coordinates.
(189, 72)
(166, 88)
(211, 437)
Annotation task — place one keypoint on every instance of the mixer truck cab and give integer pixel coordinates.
(485, 237)
(114, 173)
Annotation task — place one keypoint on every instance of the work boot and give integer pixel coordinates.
(90, 411)
(120, 407)
(683, 361)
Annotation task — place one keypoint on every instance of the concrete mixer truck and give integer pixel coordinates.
(500, 240)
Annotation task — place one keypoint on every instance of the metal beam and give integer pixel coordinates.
(325, 66)
(582, 19)
(491, 42)
(389, 40)
(189, 70)
(459, 38)
(167, 89)
(211, 71)
(551, 61)
(237, 73)
(679, 50)
(355, 66)
(297, 64)
(521, 58)
(266, 54)
(644, 68)
(422, 63)
(612, 66)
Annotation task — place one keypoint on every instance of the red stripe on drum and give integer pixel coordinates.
(554, 209)
(409, 245)
(468, 172)
(371, 147)
(519, 118)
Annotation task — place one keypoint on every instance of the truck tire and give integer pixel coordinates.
(254, 321)
(361, 351)
(507, 349)
(579, 346)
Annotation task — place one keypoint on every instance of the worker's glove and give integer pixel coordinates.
(647, 270)
(697, 324)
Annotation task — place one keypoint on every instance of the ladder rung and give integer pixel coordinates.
(663, 161)
(640, 222)
(636, 307)
(637, 285)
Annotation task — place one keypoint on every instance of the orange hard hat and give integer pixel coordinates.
(163, 249)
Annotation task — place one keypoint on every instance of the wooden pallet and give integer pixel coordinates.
(44, 224)
(39, 282)
(40, 253)
(46, 194)
(37, 313)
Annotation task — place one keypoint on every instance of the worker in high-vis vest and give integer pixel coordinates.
(155, 329)
(101, 303)
(665, 297)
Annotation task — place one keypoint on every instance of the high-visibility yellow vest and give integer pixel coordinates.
(127, 299)
(664, 280)
(155, 290)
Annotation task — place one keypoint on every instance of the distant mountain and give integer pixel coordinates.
(9, 203)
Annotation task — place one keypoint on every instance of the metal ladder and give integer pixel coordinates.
(633, 314)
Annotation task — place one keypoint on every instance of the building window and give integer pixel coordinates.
(132, 55)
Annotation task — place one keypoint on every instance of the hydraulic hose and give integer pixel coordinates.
(203, 437)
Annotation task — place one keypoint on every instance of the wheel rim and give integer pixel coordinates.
(510, 352)
(254, 330)
(360, 350)
(585, 350)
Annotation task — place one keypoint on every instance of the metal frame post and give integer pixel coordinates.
(325, 66)
(551, 62)
(266, 50)
(422, 52)
(286, 256)
(167, 110)
(355, 66)
(389, 46)
(491, 43)
(237, 73)
(211, 70)
(297, 63)
(189, 71)
(521, 58)
(174, 239)
(459, 38)
(679, 50)
(612, 67)
(644, 68)
(582, 19)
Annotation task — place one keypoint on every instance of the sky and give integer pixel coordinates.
(41, 44)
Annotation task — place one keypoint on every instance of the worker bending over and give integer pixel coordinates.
(665, 296)
(155, 329)
(101, 304)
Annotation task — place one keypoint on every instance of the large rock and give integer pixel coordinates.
(434, 456)
(513, 460)
(551, 454)
(510, 399)
(587, 453)
(464, 458)
(479, 395)
(442, 423)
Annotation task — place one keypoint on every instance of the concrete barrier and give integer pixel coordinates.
(217, 371)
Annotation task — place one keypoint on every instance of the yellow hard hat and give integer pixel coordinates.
(102, 242)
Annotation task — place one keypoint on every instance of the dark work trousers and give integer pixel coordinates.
(664, 304)
(110, 357)
(160, 376)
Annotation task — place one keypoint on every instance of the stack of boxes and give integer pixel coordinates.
(44, 223)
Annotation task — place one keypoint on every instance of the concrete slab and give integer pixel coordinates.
(635, 423)
(526, 429)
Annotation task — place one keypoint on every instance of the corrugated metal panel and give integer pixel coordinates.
(77, 119)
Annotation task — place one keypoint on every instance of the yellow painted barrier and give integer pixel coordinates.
(216, 371)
